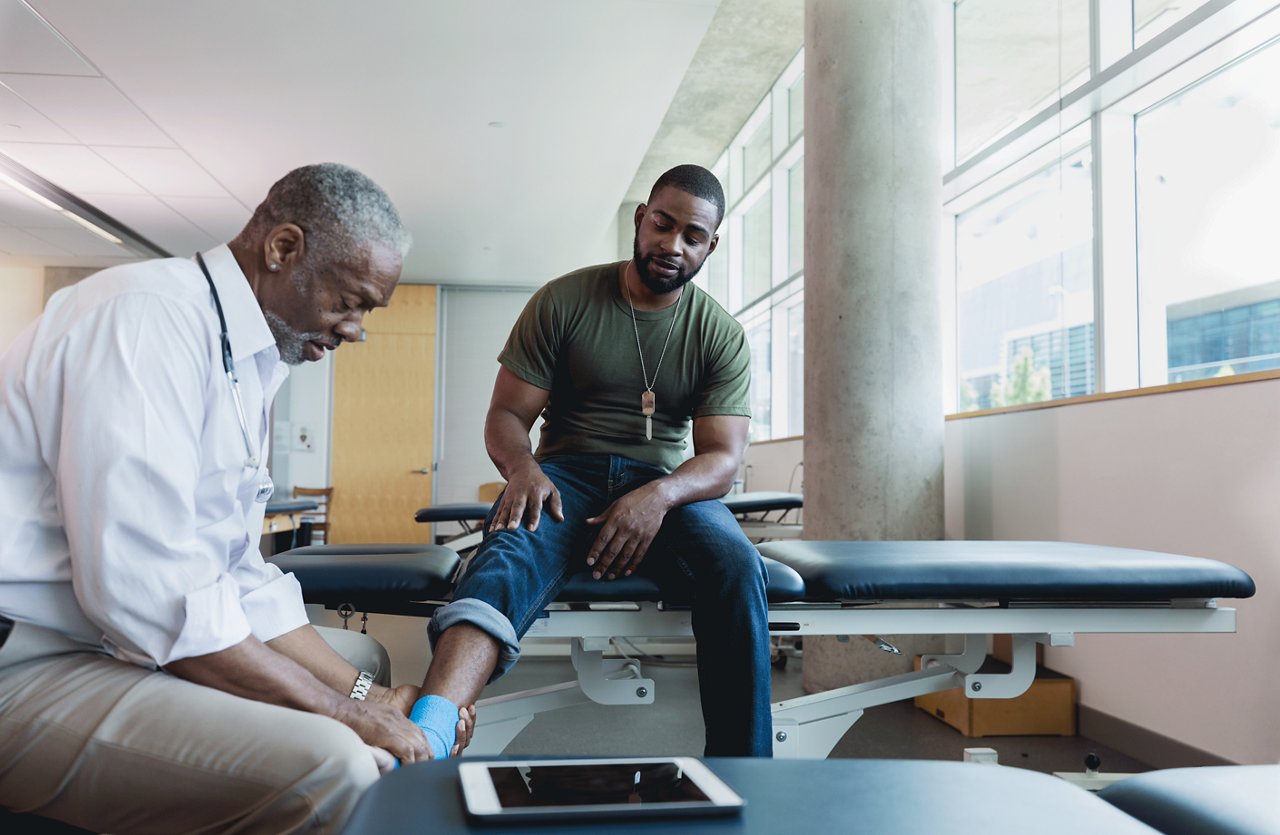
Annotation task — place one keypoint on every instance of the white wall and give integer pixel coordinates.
(474, 327)
(23, 300)
(1190, 472)
(302, 429)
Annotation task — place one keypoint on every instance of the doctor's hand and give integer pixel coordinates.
(627, 529)
(384, 726)
(528, 490)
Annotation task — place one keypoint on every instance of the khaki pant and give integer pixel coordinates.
(111, 747)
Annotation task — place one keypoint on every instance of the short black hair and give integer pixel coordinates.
(695, 180)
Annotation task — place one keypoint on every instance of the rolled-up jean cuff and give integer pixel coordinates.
(485, 618)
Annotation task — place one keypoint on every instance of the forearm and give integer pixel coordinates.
(506, 438)
(707, 475)
(253, 670)
(310, 651)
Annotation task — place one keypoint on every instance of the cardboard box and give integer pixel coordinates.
(1048, 708)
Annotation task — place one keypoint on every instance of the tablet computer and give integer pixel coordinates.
(548, 790)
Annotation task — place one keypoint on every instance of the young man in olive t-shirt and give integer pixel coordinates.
(621, 361)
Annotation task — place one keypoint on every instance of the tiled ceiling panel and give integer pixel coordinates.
(90, 109)
(20, 122)
(152, 219)
(28, 45)
(165, 172)
(222, 218)
(19, 243)
(506, 131)
(19, 210)
(73, 168)
(77, 241)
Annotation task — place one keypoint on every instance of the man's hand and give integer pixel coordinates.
(628, 527)
(384, 726)
(528, 490)
(402, 699)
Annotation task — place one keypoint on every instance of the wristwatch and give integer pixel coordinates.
(361, 688)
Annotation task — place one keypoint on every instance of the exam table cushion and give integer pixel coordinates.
(1216, 800)
(986, 570)
(453, 512)
(370, 574)
(761, 501)
(782, 583)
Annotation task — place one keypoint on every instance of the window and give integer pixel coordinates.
(759, 263)
(795, 218)
(760, 338)
(1208, 162)
(1024, 290)
(1151, 17)
(1114, 228)
(1013, 59)
(795, 109)
(757, 246)
(757, 153)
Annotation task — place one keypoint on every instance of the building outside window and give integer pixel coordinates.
(1208, 162)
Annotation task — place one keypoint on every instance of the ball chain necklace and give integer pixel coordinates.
(648, 400)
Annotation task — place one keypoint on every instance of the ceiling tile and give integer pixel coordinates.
(19, 243)
(20, 122)
(28, 44)
(222, 218)
(155, 221)
(165, 172)
(73, 168)
(19, 210)
(90, 109)
(78, 241)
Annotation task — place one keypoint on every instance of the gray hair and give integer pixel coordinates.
(341, 212)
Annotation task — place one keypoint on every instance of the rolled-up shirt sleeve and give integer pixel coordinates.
(273, 603)
(147, 567)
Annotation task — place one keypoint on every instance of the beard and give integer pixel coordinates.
(289, 340)
(656, 284)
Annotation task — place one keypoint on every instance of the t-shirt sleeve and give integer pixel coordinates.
(534, 342)
(726, 390)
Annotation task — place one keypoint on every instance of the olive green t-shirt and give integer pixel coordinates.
(576, 340)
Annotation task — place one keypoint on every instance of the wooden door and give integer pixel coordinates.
(383, 422)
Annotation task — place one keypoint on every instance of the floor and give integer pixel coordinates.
(673, 725)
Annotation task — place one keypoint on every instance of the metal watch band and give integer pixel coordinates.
(361, 688)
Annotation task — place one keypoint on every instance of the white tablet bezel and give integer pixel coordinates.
(480, 797)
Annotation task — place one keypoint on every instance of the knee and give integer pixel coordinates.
(342, 769)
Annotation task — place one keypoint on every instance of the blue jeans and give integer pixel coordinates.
(700, 557)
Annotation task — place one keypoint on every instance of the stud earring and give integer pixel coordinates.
(273, 267)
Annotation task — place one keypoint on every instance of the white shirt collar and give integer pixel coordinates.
(246, 324)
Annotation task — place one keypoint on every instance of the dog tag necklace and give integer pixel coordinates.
(648, 400)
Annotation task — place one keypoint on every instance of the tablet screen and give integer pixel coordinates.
(523, 785)
(613, 788)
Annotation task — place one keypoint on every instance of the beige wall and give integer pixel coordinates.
(23, 300)
(1189, 472)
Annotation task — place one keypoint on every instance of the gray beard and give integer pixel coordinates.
(289, 341)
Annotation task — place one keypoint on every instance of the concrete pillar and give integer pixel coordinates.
(873, 203)
(873, 365)
(626, 229)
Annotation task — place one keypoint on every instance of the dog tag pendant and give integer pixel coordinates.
(648, 404)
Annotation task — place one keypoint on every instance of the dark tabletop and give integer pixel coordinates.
(902, 797)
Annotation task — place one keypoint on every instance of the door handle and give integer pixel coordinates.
(423, 471)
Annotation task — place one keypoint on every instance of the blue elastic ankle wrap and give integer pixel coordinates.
(438, 718)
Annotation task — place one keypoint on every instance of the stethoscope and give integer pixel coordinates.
(252, 460)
